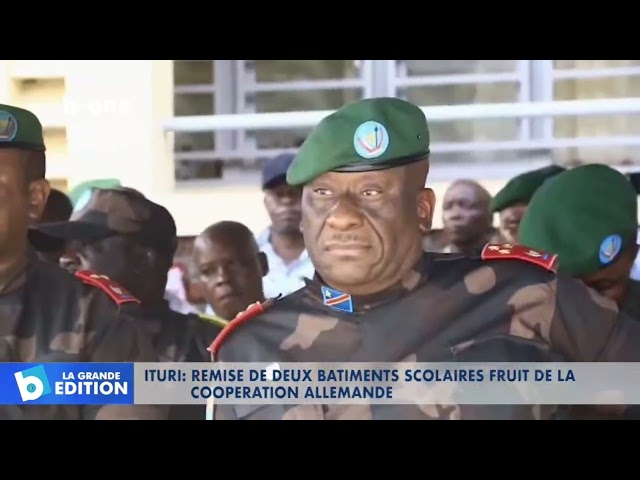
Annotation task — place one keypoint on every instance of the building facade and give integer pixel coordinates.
(105, 119)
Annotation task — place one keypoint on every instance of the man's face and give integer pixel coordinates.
(115, 257)
(283, 206)
(612, 281)
(465, 214)
(510, 221)
(360, 228)
(20, 204)
(231, 274)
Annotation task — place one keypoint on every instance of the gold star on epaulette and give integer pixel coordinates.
(504, 249)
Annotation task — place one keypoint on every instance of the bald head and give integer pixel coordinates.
(466, 214)
(229, 233)
(231, 267)
(481, 194)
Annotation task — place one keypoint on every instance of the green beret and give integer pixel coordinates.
(81, 193)
(586, 215)
(520, 189)
(371, 134)
(20, 128)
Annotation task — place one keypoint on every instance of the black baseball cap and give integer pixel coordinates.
(274, 170)
(110, 212)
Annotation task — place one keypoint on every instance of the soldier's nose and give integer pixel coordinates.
(69, 263)
(345, 217)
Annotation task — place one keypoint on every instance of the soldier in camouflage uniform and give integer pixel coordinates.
(122, 234)
(377, 297)
(47, 315)
(588, 216)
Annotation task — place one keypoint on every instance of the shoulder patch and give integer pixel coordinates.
(104, 283)
(495, 251)
(252, 311)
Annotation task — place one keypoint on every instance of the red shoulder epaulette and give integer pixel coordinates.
(104, 283)
(243, 317)
(495, 251)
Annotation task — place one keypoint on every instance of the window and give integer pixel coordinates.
(596, 79)
(264, 86)
(295, 85)
(463, 82)
(194, 95)
(250, 86)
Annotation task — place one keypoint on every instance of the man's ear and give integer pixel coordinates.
(38, 195)
(426, 204)
(264, 264)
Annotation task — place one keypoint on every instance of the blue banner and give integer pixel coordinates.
(66, 383)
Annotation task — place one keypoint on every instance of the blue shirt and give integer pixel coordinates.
(283, 278)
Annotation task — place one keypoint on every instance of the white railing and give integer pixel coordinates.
(447, 113)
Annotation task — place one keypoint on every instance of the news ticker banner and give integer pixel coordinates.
(321, 383)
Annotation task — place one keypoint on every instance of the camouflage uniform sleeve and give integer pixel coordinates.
(575, 321)
(120, 337)
(591, 328)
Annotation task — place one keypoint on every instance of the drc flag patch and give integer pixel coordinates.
(337, 300)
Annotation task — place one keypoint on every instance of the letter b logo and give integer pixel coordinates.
(32, 383)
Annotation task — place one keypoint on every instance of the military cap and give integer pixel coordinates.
(19, 128)
(81, 193)
(371, 134)
(520, 189)
(586, 215)
(274, 170)
(110, 212)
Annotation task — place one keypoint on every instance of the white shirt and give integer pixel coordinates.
(176, 294)
(283, 278)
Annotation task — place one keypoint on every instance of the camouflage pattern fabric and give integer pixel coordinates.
(180, 338)
(116, 211)
(448, 308)
(47, 315)
(631, 303)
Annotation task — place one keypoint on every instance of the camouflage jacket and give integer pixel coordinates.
(47, 315)
(180, 338)
(631, 302)
(631, 307)
(449, 308)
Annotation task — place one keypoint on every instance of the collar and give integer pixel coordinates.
(319, 292)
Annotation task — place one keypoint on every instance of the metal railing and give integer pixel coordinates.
(448, 113)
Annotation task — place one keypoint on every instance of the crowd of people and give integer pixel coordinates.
(349, 269)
